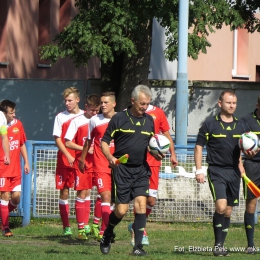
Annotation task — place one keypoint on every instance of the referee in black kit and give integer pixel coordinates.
(252, 169)
(220, 134)
(131, 130)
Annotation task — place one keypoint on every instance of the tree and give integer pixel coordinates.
(120, 34)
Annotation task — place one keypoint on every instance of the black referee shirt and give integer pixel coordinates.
(131, 135)
(252, 123)
(221, 140)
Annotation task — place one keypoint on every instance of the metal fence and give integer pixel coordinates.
(180, 197)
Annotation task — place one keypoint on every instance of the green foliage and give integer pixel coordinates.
(105, 28)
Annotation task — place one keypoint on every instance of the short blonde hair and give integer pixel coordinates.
(71, 90)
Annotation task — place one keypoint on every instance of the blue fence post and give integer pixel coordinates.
(27, 186)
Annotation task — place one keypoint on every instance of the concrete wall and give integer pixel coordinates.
(38, 102)
(202, 101)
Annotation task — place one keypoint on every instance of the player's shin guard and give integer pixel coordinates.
(64, 212)
(80, 212)
(139, 225)
(218, 223)
(105, 215)
(249, 221)
(113, 221)
(225, 229)
(97, 211)
(4, 214)
(87, 210)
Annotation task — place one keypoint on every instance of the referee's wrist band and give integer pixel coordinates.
(199, 171)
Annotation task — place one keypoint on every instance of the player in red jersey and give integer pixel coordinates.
(161, 126)
(102, 172)
(75, 139)
(11, 175)
(65, 159)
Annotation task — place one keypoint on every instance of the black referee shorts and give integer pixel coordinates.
(130, 182)
(253, 173)
(224, 184)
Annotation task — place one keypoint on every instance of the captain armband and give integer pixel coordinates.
(199, 171)
(3, 130)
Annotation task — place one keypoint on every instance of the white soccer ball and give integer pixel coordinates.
(159, 144)
(248, 142)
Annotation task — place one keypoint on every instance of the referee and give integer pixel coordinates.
(131, 130)
(220, 135)
(252, 169)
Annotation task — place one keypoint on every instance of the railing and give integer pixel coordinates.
(180, 197)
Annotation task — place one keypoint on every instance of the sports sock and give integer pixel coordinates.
(249, 221)
(148, 210)
(97, 211)
(4, 214)
(87, 210)
(64, 212)
(113, 221)
(80, 212)
(225, 229)
(218, 223)
(11, 206)
(139, 225)
(105, 215)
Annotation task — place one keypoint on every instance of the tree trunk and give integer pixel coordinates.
(135, 68)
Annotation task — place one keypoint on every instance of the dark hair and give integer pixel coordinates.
(5, 104)
(93, 100)
(230, 91)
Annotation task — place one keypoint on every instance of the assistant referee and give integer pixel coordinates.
(131, 130)
(220, 134)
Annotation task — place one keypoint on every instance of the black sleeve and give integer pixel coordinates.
(201, 138)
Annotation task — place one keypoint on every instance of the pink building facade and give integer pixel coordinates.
(26, 25)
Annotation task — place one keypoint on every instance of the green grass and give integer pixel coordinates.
(43, 239)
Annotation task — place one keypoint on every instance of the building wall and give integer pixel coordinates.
(20, 38)
(217, 64)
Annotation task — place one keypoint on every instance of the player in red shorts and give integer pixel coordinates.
(75, 139)
(65, 159)
(161, 126)
(102, 172)
(11, 175)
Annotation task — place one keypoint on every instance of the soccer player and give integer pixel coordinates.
(102, 172)
(220, 135)
(252, 169)
(75, 139)
(161, 126)
(65, 170)
(11, 175)
(131, 131)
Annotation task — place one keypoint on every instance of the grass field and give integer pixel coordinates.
(43, 239)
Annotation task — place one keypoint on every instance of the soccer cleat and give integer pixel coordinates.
(106, 242)
(251, 250)
(145, 240)
(7, 233)
(132, 233)
(87, 230)
(95, 230)
(219, 250)
(138, 250)
(82, 234)
(67, 231)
